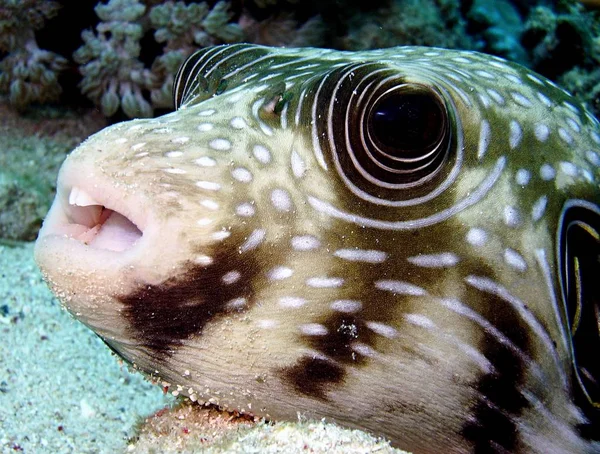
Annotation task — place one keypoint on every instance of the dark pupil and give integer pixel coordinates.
(409, 122)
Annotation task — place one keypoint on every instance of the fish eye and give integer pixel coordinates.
(408, 123)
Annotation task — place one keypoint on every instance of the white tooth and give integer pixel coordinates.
(81, 198)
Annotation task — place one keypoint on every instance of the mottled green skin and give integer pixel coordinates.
(286, 281)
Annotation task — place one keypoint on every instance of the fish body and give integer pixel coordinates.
(402, 240)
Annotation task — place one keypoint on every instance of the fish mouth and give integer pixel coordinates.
(98, 214)
(82, 217)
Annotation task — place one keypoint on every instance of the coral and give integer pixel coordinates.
(283, 30)
(559, 40)
(409, 22)
(113, 75)
(500, 25)
(183, 28)
(27, 73)
(564, 45)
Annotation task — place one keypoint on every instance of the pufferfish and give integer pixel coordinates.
(403, 240)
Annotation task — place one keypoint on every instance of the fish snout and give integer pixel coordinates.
(102, 239)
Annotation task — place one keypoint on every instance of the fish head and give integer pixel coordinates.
(377, 237)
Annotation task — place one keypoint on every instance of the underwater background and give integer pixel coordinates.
(70, 68)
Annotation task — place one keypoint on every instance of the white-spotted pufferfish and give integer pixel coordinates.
(402, 240)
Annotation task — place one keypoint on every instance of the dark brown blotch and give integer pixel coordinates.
(161, 317)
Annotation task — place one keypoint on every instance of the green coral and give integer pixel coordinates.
(183, 28)
(113, 75)
(409, 22)
(27, 73)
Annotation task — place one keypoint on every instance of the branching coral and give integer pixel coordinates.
(27, 73)
(183, 28)
(113, 75)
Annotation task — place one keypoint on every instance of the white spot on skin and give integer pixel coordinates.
(545, 100)
(267, 323)
(523, 177)
(305, 243)
(173, 154)
(565, 136)
(593, 158)
(382, 329)
(573, 124)
(175, 171)
(231, 277)
(346, 306)
(142, 154)
(254, 240)
(485, 74)
(512, 217)
(361, 255)
(484, 139)
(515, 260)
(443, 260)
(325, 282)
(236, 304)
(206, 113)
(180, 140)
(363, 349)
(205, 127)
(541, 132)
(208, 185)
(203, 260)
(238, 123)
(547, 172)
(220, 144)
(520, 99)
(313, 329)
(138, 146)
(298, 165)
(241, 174)
(205, 161)
(220, 235)
(121, 140)
(419, 320)
(262, 154)
(281, 200)
(279, 273)
(568, 168)
(496, 96)
(400, 288)
(485, 100)
(210, 204)
(291, 302)
(516, 134)
(203, 222)
(245, 210)
(539, 208)
(476, 237)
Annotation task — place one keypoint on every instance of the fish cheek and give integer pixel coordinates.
(161, 317)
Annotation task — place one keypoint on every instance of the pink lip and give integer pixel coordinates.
(94, 212)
